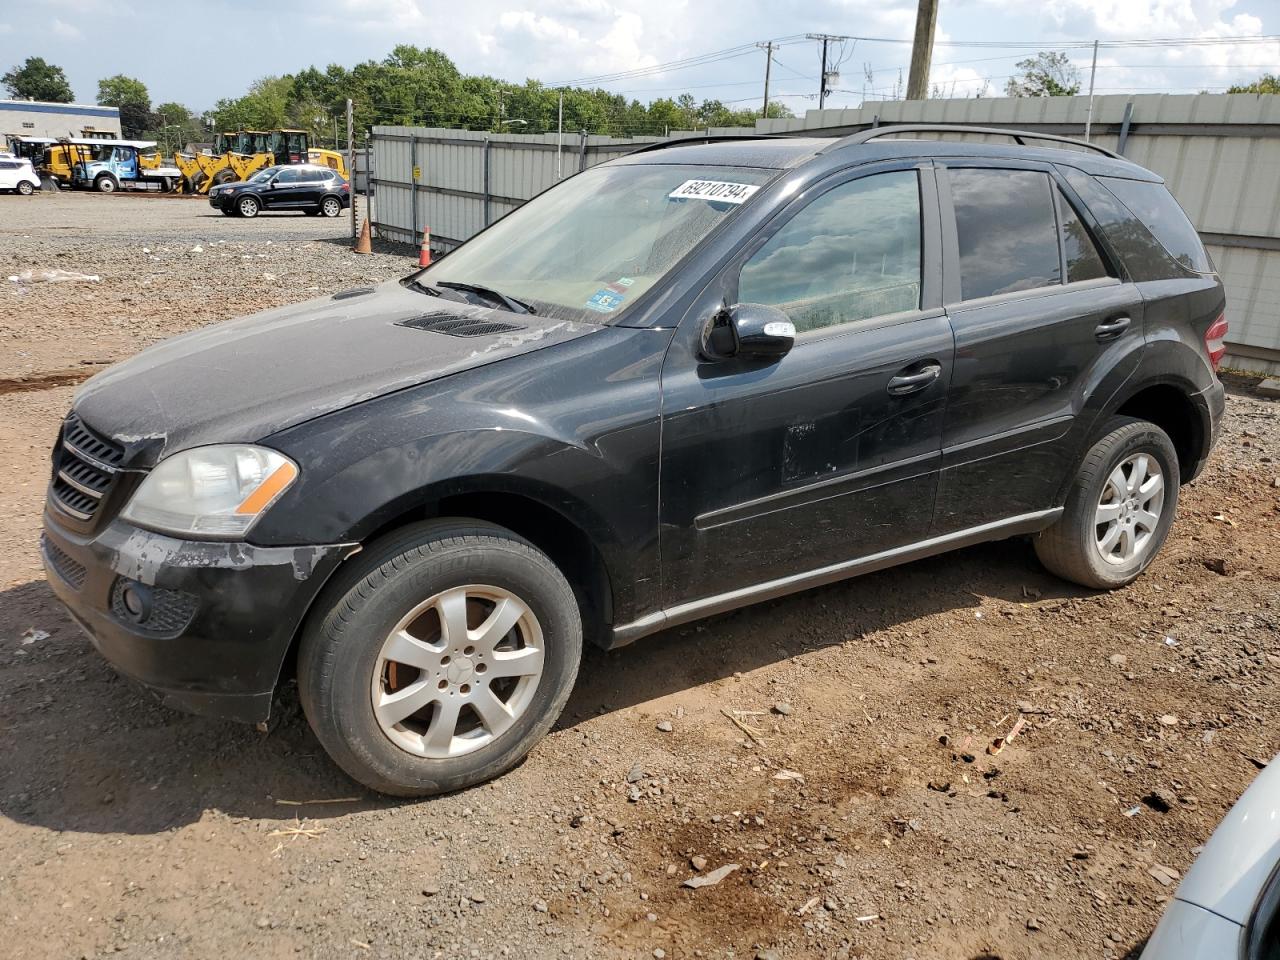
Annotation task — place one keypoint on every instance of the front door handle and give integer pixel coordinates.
(905, 383)
(1110, 329)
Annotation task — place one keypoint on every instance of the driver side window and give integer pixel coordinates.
(851, 254)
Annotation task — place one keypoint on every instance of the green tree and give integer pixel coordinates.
(38, 80)
(1267, 83)
(1047, 74)
(174, 126)
(132, 99)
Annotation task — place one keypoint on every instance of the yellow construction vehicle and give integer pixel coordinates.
(239, 155)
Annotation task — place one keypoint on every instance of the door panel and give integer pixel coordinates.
(830, 453)
(769, 471)
(1029, 366)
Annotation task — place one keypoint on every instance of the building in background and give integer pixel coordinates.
(34, 118)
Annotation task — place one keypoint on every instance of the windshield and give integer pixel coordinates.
(589, 247)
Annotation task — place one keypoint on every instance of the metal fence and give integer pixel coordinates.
(457, 182)
(1220, 155)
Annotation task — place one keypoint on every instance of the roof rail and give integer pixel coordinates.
(686, 141)
(1018, 136)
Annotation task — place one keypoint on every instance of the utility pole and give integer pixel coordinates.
(1093, 70)
(351, 163)
(922, 50)
(825, 78)
(768, 62)
(822, 77)
(560, 137)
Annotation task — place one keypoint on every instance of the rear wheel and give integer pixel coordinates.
(106, 184)
(441, 657)
(25, 188)
(247, 207)
(1119, 510)
(331, 206)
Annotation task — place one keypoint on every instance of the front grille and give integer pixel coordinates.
(68, 569)
(455, 326)
(169, 611)
(84, 468)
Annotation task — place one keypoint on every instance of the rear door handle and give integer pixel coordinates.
(905, 383)
(1110, 329)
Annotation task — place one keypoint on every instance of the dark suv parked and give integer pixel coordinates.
(703, 375)
(312, 188)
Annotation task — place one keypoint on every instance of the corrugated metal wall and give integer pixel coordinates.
(468, 179)
(1220, 155)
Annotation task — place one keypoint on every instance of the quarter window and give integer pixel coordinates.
(1083, 260)
(1007, 230)
(1154, 205)
(852, 253)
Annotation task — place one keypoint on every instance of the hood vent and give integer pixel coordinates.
(355, 292)
(456, 326)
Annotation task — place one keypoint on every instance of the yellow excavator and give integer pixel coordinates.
(239, 155)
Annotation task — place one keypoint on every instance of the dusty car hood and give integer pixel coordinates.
(245, 379)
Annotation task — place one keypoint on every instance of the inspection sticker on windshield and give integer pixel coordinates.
(719, 190)
(604, 301)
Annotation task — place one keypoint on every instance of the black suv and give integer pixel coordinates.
(314, 189)
(703, 375)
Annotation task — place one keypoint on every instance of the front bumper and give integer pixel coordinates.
(214, 621)
(220, 201)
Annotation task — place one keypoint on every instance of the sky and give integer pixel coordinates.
(196, 55)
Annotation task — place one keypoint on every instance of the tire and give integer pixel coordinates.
(106, 184)
(342, 668)
(247, 207)
(331, 207)
(1087, 545)
(221, 177)
(25, 188)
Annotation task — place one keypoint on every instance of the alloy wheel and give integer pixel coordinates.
(457, 671)
(1129, 508)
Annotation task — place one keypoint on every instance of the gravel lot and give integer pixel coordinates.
(865, 815)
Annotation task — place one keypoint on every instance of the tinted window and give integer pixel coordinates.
(1154, 206)
(853, 253)
(1007, 229)
(8, 165)
(287, 176)
(1083, 260)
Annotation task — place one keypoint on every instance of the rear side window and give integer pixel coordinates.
(1007, 229)
(851, 254)
(1083, 260)
(1154, 205)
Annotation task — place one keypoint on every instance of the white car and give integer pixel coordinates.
(17, 174)
(1228, 904)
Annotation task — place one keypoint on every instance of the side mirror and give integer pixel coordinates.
(272, 182)
(749, 331)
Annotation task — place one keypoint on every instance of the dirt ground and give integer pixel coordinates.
(864, 815)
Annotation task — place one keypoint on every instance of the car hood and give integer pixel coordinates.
(245, 379)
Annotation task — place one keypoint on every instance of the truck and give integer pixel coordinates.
(121, 164)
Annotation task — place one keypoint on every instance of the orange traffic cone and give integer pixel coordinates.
(364, 244)
(424, 252)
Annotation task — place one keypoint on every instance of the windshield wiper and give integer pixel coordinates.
(511, 303)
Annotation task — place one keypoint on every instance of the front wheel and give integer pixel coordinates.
(106, 184)
(440, 658)
(247, 207)
(1119, 510)
(25, 188)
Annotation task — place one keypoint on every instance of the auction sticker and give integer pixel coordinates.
(720, 191)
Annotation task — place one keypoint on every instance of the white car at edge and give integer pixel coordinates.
(17, 174)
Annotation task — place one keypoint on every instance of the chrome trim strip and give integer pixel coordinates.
(72, 482)
(92, 461)
(69, 511)
(771, 589)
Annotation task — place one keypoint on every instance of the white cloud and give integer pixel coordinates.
(65, 30)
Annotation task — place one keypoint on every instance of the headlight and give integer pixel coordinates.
(213, 492)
